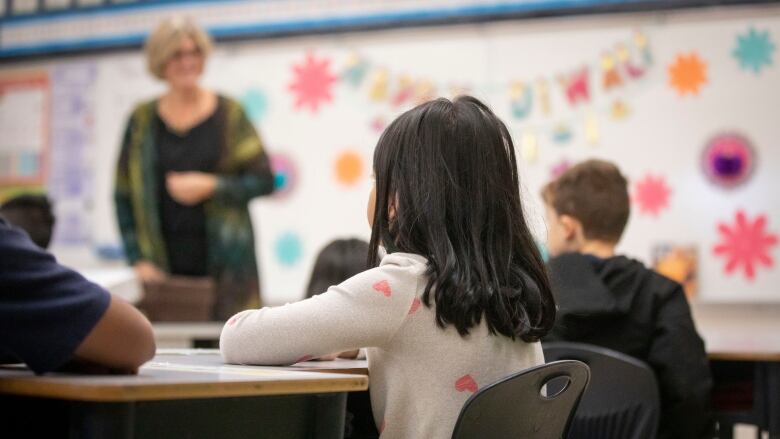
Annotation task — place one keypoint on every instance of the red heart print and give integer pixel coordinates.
(383, 287)
(232, 321)
(466, 382)
(415, 306)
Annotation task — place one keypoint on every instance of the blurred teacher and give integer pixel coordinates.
(190, 163)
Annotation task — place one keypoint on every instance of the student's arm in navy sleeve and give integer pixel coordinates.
(51, 315)
(121, 341)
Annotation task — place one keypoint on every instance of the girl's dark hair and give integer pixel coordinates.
(337, 262)
(447, 188)
(33, 214)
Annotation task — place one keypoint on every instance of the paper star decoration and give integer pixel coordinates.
(378, 124)
(529, 147)
(687, 74)
(256, 104)
(754, 50)
(652, 195)
(288, 249)
(745, 244)
(312, 83)
(559, 168)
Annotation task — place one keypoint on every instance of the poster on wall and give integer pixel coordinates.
(24, 104)
(70, 182)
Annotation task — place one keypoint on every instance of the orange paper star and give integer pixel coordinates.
(687, 74)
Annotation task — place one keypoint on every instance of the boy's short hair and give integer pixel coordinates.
(33, 214)
(596, 194)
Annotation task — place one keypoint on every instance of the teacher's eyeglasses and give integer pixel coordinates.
(179, 55)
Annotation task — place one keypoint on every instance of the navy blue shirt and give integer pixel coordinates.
(46, 310)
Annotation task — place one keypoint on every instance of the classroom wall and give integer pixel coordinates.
(682, 83)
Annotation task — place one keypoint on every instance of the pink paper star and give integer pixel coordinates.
(559, 168)
(652, 195)
(745, 244)
(378, 124)
(312, 83)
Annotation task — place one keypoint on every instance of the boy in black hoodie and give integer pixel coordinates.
(615, 302)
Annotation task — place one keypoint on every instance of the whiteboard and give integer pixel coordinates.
(662, 133)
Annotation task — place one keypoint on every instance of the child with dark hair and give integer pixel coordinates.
(337, 262)
(33, 214)
(461, 298)
(613, 301)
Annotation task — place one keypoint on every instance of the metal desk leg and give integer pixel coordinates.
(329, 416)
(772, 371)
(102, 420)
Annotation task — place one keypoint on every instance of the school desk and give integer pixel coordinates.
(747, 332)
(180, 401)
(186, 334)
(212, 358)
(763, 350)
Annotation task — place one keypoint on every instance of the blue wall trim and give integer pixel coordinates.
(344, 22)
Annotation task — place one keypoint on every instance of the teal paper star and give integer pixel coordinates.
(255, 103)
(288, 249)
(754, 50)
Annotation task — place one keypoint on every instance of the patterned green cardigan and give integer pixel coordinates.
(243, 172)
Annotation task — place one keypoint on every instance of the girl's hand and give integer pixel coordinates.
(351, 355)
(190, 188)
(331, 357)
(148, 272)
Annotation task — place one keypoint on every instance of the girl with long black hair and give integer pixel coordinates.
(459, 300)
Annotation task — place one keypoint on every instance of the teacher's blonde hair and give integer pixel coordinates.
(165, 40)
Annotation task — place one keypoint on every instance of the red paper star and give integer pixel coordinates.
(652, 195)
(745, 244)
(312, 83)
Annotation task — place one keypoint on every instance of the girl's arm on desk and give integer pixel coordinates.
(364, 311)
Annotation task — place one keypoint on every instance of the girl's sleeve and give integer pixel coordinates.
(364, 311)
(122, 201)
(253, 176)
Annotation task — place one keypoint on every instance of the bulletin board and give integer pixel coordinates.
(684, 102)
(24, 112)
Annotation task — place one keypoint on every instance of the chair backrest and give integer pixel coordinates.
(518, 407)
(621, 401)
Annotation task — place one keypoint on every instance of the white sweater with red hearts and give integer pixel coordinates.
(420, 374)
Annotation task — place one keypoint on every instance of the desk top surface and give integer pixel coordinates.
(179, 377)
(211, 357)
(740, 346)
(721, 344)
(201, 373)
(740, 332)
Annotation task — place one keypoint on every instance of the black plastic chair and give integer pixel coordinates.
(516, 406)
(622, 399)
